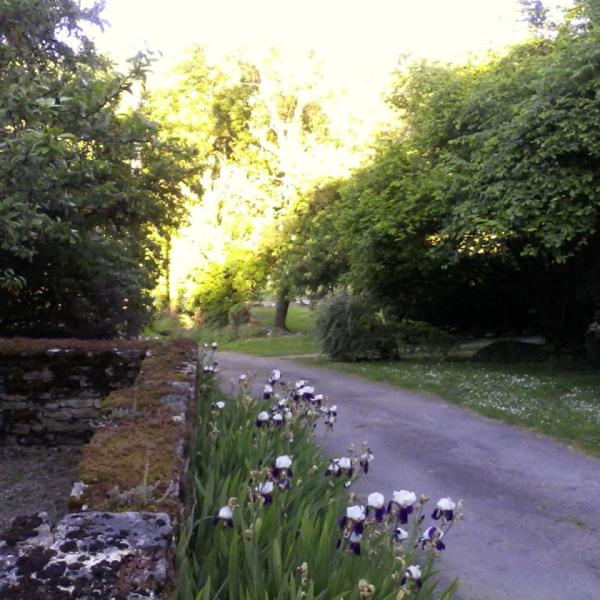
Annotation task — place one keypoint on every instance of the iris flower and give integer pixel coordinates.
(340, 466)
(365, 458)
(275, 376)
(282, 472)
(399, 534)
(376, 506)
(433, 536)
(263, 419)
(413, 572)
(265, 489)
(267, 391)
(401, 505)
(225, 514)
(444, 509)
(353, 525)
(218, 405)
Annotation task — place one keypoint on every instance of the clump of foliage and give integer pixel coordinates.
(349, 329)
(86, 189)
(421, 333)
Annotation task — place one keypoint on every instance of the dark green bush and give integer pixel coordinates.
(349, 329)
(511, 351)
(420, 333)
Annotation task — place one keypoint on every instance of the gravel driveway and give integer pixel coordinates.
(532, 506)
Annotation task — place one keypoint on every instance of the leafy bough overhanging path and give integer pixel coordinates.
(532, 506)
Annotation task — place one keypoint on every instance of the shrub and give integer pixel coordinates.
(421, 333)
(511, 351)
(349, 330)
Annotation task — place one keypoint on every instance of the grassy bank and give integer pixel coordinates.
(564, 405)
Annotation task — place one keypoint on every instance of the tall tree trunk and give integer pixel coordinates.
(281, 310)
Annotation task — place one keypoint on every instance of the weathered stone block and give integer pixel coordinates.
(94, 555)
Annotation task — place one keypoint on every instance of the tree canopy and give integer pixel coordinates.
(84, 183)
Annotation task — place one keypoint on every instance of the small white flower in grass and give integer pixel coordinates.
(263, 419)
(433, 536)
(214, 345)
(413, 572)
(318, 399)
(301, 383)
(376, 505)
(444, 509)
(267, 391)
(243, 378)
(275, 376)
(218, 405)
(401, 505)
(400, 534)
(277, 419)
(288, 415)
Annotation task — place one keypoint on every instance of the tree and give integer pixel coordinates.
(83, 183)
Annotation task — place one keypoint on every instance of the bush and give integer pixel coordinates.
(349, 330)
(421, 333)
(511, 351)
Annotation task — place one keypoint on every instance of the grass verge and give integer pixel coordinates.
(564, 405)
(286, 549)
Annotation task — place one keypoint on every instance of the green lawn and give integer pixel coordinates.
(280, 345)
(564, 405)
(300, 319)
(256, 338)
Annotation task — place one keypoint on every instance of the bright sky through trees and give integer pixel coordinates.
(359, 41)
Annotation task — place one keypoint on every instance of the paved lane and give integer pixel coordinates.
(532, 506)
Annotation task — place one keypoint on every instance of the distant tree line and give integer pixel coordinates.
(482, 212)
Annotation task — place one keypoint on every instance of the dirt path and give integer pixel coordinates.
(531, 530)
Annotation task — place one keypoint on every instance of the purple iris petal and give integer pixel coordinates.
(355, 547)
(379, 514)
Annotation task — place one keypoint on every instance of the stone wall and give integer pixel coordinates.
(51, 396)
(119, 542)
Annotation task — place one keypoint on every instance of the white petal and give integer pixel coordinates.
(376, 500)
(263, 416)
(446, 504)
(414, 571)
(344, 462)
(356, 512)
(404, 498)
(225, 513)
(283, 462)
